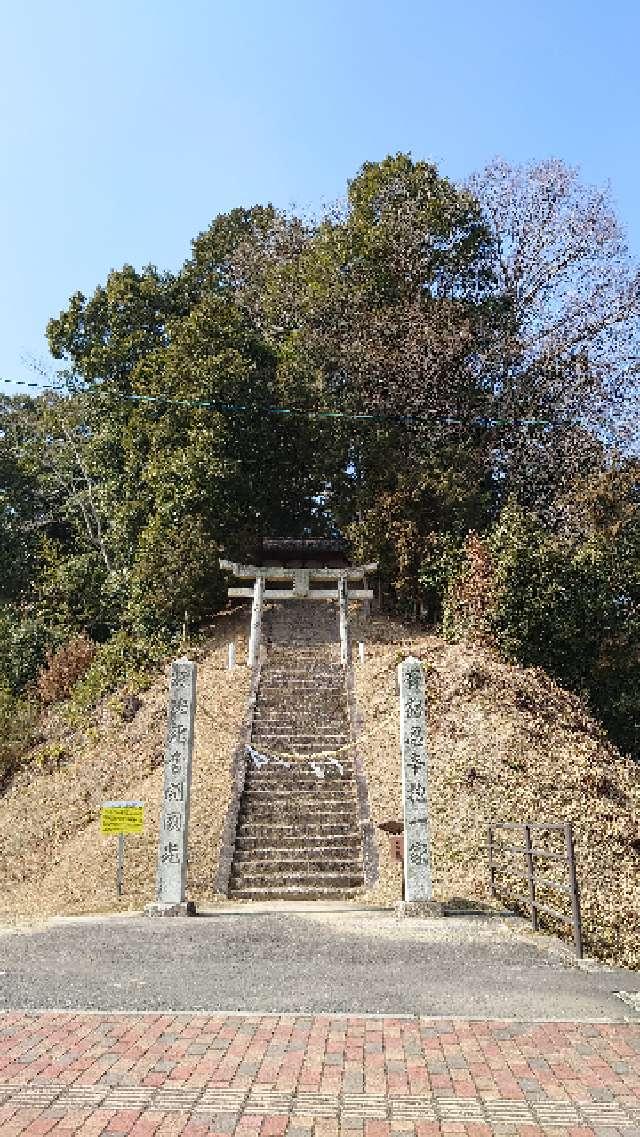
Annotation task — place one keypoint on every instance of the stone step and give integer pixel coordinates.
(314, 798)
(278, 694)
(279, 741)
(311, 670)
(298, 859)
(293, 702)
(301, 750)
(301, 766)
(280, 706)
(294, 872)
(306, 790)
(275, 714)
(297, 656)
(311, 804)
(303, 822)
(261, 879)
(307, 725)
(293, 892)
(280, 795)
(331, 669)
(316, 703)
(293, 664)
(280, 710)
(328, 641)
(306, 675)
(299, 845)
(278, 831)
(337, 789)
(305, 710)
(308, 728)
(324, 693)
(304, 757)
(329, 716)
(291, 744)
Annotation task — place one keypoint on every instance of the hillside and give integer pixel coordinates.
(505, 742)
(53, 858)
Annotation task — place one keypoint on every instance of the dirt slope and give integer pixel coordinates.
(507, 743)
(53, 858)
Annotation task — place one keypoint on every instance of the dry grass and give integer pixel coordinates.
(505, 743)
(54, 860)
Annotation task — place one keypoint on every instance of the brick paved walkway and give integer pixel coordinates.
(314, 1076)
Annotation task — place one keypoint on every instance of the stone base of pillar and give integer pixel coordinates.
(428, 908)
(187, 908)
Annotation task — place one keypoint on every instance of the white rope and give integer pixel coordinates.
(316, 765)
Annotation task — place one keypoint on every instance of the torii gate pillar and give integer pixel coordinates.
(304, 584)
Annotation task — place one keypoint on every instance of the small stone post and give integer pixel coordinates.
(343, 604)
(174, 819)
(418, 888)
(232, 656)
(256, 623)
(361, 653)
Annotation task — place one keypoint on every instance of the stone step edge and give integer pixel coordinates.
(283, 792)
(307, 893)
(354, 842)
(256, 860)
(293, 878)
(247, 829)
(329, 875)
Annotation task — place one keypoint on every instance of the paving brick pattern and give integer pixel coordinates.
(314, 1076)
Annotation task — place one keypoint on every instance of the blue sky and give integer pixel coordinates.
(126, 126)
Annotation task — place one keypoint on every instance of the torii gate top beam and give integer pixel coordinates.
(301, 580)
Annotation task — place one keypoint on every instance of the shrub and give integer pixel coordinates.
(72, 594)
(470, 603)
(17, 721)
(573, 608)
(63, 669)
(122, 661)
(22, 649)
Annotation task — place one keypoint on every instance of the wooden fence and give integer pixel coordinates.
(533, 875)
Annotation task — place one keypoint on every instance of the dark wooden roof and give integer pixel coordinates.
(307, 552)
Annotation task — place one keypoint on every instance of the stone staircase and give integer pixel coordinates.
(298, 835)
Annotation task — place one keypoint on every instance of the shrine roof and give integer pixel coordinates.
(303, 552)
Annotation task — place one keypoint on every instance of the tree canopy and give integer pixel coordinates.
(421, 362)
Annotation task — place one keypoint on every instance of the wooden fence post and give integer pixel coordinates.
(530, 877)
(573, 882)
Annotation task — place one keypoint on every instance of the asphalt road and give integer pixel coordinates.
(306, 962)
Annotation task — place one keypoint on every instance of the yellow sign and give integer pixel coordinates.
(122, 817)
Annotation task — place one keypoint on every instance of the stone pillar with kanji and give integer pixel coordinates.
(418, 884)
(174, 816)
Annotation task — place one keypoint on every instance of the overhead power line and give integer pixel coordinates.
(322, 413)
(39, 386)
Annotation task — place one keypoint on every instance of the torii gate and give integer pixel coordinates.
(301, 589)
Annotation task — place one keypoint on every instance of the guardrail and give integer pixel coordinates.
(533, 875)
